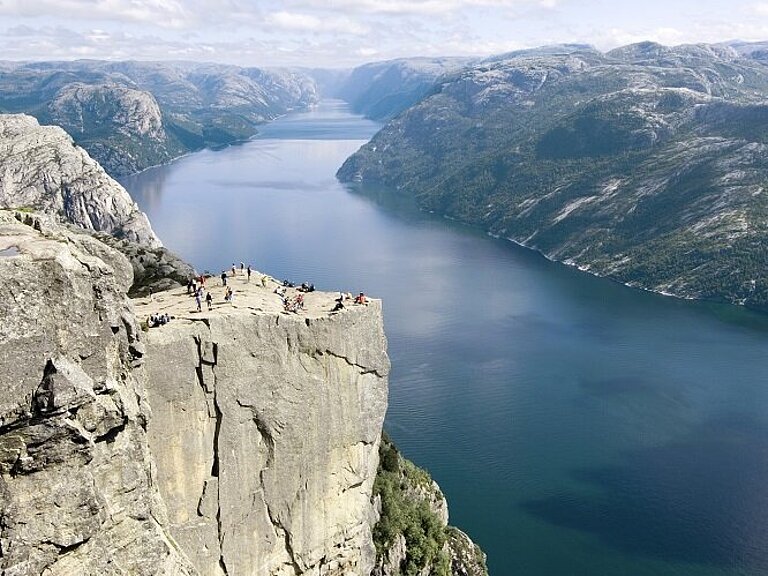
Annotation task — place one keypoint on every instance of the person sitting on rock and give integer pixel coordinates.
(339, 303)
(361, 299)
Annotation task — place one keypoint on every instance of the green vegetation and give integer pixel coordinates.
(404, 490)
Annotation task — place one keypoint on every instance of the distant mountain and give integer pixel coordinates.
(131, 115)
(381, 90)
(647, 164)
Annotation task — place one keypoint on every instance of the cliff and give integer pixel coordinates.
(266, 428)
(42, 169)
(258, 454)
(76, 485)
(240, 440)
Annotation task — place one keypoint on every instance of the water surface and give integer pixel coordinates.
(577, 427)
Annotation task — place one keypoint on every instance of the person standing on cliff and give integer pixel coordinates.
(209, 301)
(223, 278)
(198, 295)
(249, 273)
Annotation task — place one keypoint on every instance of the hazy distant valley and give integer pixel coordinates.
(133, 115)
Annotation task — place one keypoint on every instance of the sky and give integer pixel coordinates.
(342, 33)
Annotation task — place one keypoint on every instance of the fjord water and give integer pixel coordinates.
(577, 427)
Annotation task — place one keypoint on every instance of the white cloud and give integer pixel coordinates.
(345, 32)
(170, 13)
(308, 23)
(415, 7)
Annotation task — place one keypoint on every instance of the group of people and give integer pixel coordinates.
(156, 320)
(196, 287)
(361, 298)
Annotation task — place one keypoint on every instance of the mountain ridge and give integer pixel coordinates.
(645, 164)
(132, 115)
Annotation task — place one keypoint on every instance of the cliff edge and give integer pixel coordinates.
(266, 428)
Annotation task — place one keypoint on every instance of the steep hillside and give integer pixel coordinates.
(131, 115)
(42, 169)
(646, 164)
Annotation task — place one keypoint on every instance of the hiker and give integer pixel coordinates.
(234, 271)
(198, 296)
(223, 278)
(209, 301)
(264, 281)
(229, 296)
(241, 267)
(249, 273)
(190, 286)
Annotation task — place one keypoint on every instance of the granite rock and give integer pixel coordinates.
(266, 430)
(42, 169)
(78, 495)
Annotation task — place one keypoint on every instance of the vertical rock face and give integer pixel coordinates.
(266, 430)
(257, 457)
(41, 168)
(76, 493)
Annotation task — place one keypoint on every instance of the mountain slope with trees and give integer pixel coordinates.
(647, 164)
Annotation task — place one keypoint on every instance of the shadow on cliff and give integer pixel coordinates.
(703, 500)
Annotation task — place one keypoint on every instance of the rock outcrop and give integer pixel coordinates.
(259, 452)
(76, 489)
(266, 430)
(42, 169)
(412, 536)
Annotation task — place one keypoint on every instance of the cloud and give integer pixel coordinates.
(170, 13)
(415, 7)
(294, 21)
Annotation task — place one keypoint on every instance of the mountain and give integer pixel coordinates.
(646, 164)
(132, 115)
(381, 90)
